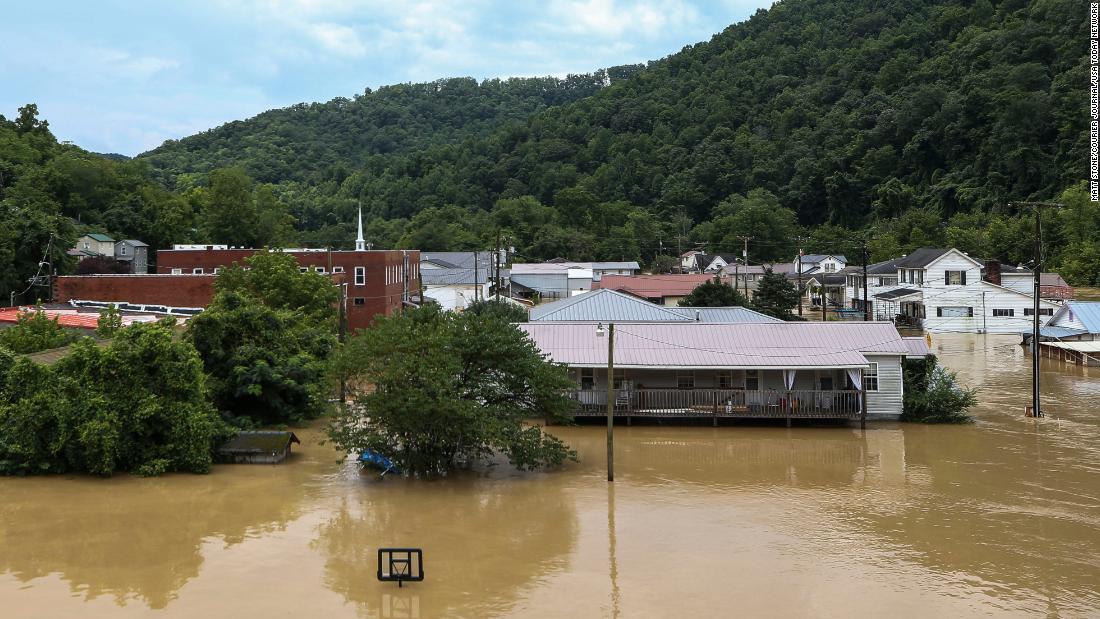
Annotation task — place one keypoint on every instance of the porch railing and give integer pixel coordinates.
(769, 403)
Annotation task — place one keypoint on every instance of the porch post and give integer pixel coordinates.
(862, 402)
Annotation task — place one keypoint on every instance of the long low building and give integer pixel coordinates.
(758, 370)
(610, 305)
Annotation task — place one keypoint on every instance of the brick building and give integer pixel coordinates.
(376, 281)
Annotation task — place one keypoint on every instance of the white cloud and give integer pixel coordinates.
(611, 18)
(342, 40)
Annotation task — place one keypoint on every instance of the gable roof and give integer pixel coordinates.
(603, 305)
(920, 257)
(102, 238)
(134, 243)
(745, 345)
(722, 315)
(1088, 312)
(458, 259)
(819, 257)
(886, 267)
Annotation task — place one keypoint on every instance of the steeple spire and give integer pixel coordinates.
(360, 242)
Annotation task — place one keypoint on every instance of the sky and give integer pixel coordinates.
(122, 76)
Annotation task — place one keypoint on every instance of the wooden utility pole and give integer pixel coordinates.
(745, 259)
(477, 284)
(866, 301)
(496, 265)
(611, 402)
(1036, 411)
(800, 240)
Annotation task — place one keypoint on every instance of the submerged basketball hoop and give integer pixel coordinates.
(401, 565)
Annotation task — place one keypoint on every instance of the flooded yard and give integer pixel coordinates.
(1001, 517)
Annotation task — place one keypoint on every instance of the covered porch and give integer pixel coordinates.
(819, 393)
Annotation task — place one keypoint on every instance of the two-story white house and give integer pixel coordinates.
(820, 263)
(943, 290)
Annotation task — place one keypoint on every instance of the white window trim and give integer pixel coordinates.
(337, 269)
(197, 271)
(871, 373)
(177, 271)
(360, 276)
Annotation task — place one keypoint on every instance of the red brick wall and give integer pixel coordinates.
(381, 292)
(171, 290)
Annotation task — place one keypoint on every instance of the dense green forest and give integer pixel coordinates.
(905, 122)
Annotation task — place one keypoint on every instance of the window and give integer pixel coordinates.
(1003, 312)
(1043, 311)
(337, 269)
(320, 270)
(177, 271)
(826, 383)
(887, 281)
(197, 271)
(685, 379)
(725, 380)
(870, 377)
(620, 379)
(829, 267)
(954, 312)
(588, 378)
(87, 245)
(360, 300)
(302, 269)
(916, 276)
(360, 276)
(122, 248)
(954, 278)
(217, 270)
(752, 380)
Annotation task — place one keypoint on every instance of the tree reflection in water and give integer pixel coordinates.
(484, 540)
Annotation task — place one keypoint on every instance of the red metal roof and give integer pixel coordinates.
(69, 318)
(650, 286)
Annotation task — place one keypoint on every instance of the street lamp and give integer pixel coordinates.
(610, 396)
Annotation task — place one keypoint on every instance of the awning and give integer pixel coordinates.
(1086, 347)
(901, 294)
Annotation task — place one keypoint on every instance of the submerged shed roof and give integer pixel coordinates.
(258, 442)
(696, 345)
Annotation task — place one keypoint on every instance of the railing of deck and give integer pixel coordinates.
(797, 403)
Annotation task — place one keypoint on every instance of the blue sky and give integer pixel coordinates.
(123, 76)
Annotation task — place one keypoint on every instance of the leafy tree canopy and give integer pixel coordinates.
(435, 389)
(713, 293)
(34, 331)
(775, 296)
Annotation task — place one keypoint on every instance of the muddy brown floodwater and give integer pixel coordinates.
(999, 518)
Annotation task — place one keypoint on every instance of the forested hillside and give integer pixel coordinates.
(315, 142)
(908, 122)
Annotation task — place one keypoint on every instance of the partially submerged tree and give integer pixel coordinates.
(434, 389)
(138, 405)
(713, 293)
(933, 394)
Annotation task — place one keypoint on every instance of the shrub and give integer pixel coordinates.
(933, 395)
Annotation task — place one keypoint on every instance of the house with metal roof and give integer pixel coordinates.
(94, 244)
(133, 253)
(1072, 334)
(776, 370)
(667, 289)
(455, 288)
(606, 305)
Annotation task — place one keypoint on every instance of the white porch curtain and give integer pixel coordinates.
(856, 376)
(788, 379)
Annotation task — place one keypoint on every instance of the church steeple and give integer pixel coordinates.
(360, 242)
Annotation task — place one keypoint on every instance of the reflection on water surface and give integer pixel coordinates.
(1000, 517)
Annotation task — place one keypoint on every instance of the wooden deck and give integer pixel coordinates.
(721, 403)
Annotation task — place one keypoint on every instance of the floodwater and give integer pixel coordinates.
(999, 518)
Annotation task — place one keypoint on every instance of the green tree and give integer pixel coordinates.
(448, 388)
(775, 296)
(713, 293)
(35, 331)
(272, 278)
(138, 405)
(110, 321)
(933, 394)
(228, 213)
(498, 309)
(263, 365)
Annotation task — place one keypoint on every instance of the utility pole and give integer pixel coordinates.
(745, 259)
(477, 284)
(610, 397)
(801, 293)
(496, 265)
(866, 301)
(1036, 411)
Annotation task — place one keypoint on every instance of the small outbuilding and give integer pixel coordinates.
(258, 447)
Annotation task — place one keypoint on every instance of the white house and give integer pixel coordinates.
(820, 263)
(455, 289)
(943, 290)
(1072, 334)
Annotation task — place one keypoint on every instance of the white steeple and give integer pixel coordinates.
(360, 242)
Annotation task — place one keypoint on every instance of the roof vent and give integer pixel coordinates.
(697, 315)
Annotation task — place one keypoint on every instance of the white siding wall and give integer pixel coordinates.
(981, 296)
(1019, 283)
(453, 296)
(886, 402)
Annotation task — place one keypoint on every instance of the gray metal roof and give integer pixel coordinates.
(886, 267)
(444, 277)
(458, 259)
(819, 257)
(784, 345)
(722, 315)
(606, 305)
(896, 294)
(603, 305)
(134, 242)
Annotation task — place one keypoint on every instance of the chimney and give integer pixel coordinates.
(993, 271)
